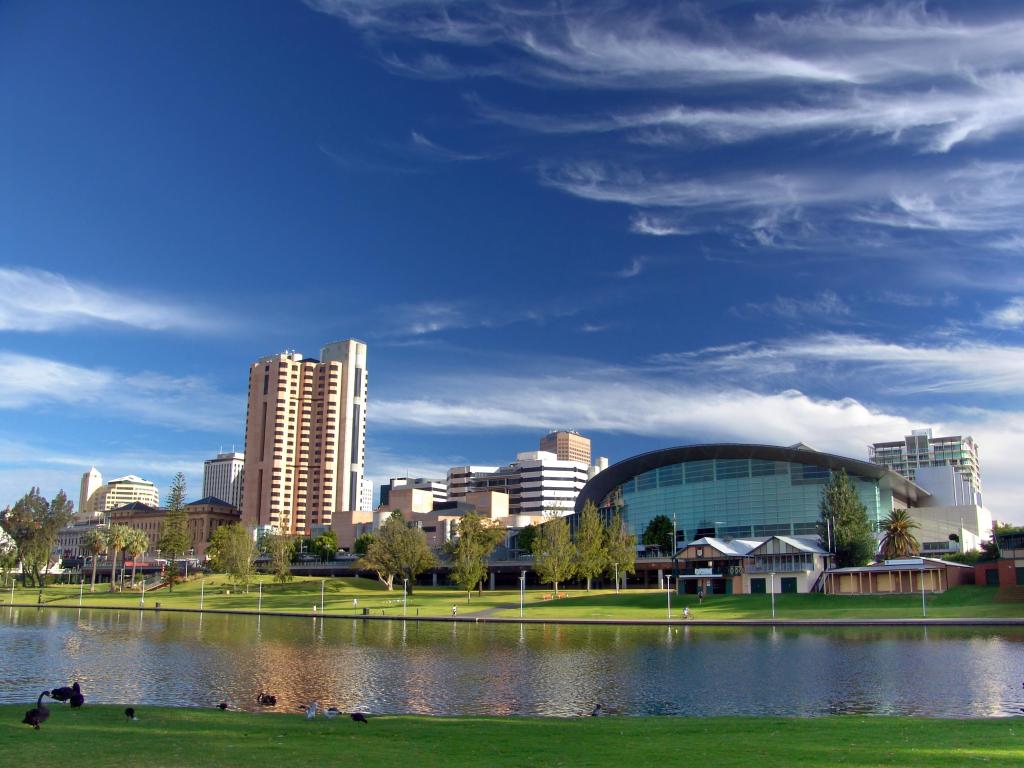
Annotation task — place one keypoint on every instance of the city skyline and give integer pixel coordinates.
(658, 226)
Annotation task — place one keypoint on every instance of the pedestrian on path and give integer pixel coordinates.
(454, 611)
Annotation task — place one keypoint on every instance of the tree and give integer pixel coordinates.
(233, 551)
(846, 518)
(477, 538)
(397, 550)
(525, 538)
(621, 547)
(898, 539)
(325, 545)
(135, 547)
(174, 539)
(659, 533)
(554, 555)
(280, 549)
(591, 547)
(361, 544)
(33, 524)
(95, 544)
(117, 536)
(8, 555)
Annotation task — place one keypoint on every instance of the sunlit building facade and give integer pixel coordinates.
(739, 490)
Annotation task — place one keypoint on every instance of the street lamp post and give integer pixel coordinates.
(522, 592)
(259, 607)
(773, 595)
(668, 593)
(202, 592)
(405, 595)
(322, 595)
(616, 578)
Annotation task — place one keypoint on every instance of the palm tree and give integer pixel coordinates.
(95, 543)
(117, 537)
(137, 544)
(898, 539)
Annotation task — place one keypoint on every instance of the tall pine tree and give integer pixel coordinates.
(174, 539)
(844, 520)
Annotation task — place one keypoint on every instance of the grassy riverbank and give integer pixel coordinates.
(349, 596)
(101, 736)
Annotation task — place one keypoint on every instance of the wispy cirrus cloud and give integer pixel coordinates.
(36, 300)
(435, 151)
(184, 402)
(634, 268)
(826, 305)
(1010, 315)
(893, 368)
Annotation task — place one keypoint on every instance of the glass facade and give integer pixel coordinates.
(736, 497)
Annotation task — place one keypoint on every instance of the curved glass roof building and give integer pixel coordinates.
(739, 490)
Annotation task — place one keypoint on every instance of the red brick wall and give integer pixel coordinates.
(1007, 572)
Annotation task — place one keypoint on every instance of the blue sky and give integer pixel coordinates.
(656, 223)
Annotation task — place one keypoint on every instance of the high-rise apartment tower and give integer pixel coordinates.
(920, 449)
(222, 478)
(305, 438)
(92, 481)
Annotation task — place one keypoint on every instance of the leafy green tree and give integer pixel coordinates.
(280, 549)
(174, 540)
(843, 513)
(554, 554)
(397, 550)
(118, 536)
(361, 544)
(95, 544)
(135, 547)
(325, 545)
(477, 538)
(898, 538)
(591, 547)
(233, 550)
(659, 533)
(525, 538)
(33, 524)
(621, 547)
(8, 555)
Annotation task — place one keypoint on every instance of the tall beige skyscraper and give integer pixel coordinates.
(305, 438)
(567, 445)
(92, 481)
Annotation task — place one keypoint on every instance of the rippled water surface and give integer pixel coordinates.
(430, 668)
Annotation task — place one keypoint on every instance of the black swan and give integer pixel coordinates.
(359, 717)
(596, 712)
(222, 706)
(77, 699)
(266, 699)
(62, 694)
(130, 713)
(38, 714)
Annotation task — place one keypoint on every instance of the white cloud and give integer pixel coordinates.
(657, 226)
(634, 268)
(181, 402)
(827, 304)
(436, 151)
(34, 300)
(889, 367)
(1009, 316)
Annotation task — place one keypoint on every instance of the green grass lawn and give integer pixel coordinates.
(187, 738)
(339, 593)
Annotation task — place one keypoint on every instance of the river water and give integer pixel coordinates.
(184, 659)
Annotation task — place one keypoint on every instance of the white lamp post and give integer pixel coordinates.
(202, 592)
(522, 591)
(322, 595)
(259, 607)
(405, 594)
(616, 578)
(668, 593)
(773, 595)
(924, 607)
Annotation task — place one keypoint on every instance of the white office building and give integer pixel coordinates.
(919, 449)
(223, 478)
(92, 481)
(537, 483)
(365, 495)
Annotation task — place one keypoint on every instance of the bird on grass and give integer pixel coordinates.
(266, 699)
(39, 713)
(222, 706)
(77, 698)
(61, 694)
(311, 710)
(331, 712)
(130, 713)
(596, 712)
(359, 717)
